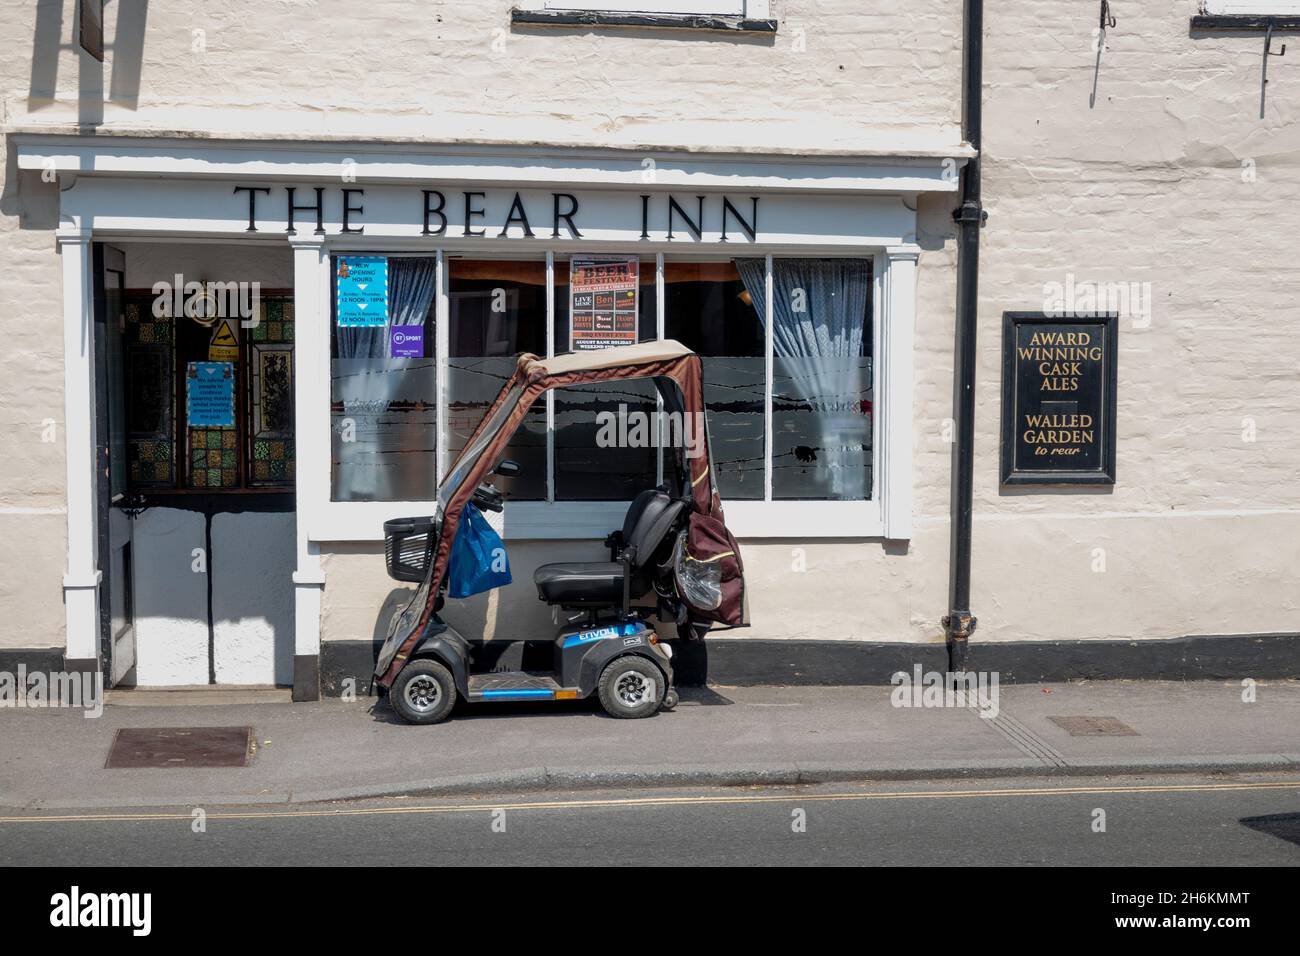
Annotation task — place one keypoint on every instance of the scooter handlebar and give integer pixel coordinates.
(488, 498)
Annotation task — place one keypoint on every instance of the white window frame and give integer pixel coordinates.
(1251, 8)
(133, 206)
(747, 9)
(888, 513)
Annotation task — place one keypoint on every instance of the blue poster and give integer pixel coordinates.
(210, 395)
(361, 292)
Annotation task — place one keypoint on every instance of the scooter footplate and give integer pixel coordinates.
(511, 687)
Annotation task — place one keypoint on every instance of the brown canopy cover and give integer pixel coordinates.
(670, 359)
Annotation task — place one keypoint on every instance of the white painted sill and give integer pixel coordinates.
(718, 23)
(359, 521)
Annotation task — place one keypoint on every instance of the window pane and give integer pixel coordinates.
(270, 374)
(603, 444)
(717, 7)
(587, 466)
(150, 378)
(645, 305)
(822, 375)
(498, 309)
(383, 394)
(707, 309)
(462, 466)
(212, 450)
(1271, 8)
(115, 362)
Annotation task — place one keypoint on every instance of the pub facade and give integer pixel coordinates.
(266, 274)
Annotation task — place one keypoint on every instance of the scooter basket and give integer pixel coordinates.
(408, 546)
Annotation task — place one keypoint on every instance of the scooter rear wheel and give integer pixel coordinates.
(631, 687)
(424, 692)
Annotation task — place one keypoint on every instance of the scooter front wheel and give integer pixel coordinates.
(424, 692)
(631, 687)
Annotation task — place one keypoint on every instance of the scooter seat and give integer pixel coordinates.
(584, 583)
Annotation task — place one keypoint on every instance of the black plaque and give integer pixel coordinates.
(1058, 399)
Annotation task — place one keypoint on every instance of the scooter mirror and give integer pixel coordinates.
(508, 468)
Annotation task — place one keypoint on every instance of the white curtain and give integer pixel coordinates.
(818, 310)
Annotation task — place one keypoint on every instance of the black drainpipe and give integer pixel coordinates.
(970, 216)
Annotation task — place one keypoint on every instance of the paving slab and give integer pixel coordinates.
(719, 736)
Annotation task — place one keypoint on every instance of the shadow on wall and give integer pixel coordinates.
(251, 564)
(35, 203)
(56, 29)
(213, 602)
(356, 665)
(1261, 34)
(935, 228)
(171, 598)
(503, 614)
(514, 611)
(395, 601)
(32, 196)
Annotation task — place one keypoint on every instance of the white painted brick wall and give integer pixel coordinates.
(1144, 185)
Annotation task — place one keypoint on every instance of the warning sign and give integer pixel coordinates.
(224, 346)
(603, 301)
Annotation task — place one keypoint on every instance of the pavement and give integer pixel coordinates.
(719, 736)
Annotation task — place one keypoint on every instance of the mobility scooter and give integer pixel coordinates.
(673, 561)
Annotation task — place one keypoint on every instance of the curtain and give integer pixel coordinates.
(376, 466)
(817, 337)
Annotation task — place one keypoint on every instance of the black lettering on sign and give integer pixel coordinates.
(681, 219)
(349, 209)
(318, 207)
(750, 227)
(696, 225)
(516, 217)
(252, 203)
(438, 210)
(471, 211)
(567, 217)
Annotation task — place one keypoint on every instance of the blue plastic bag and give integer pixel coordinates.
(478, 558)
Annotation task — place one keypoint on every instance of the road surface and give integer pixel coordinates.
(1084, 821)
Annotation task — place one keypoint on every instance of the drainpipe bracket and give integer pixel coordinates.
(970, 211)
(960, 625)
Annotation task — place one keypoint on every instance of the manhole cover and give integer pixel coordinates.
(1094, 727)
(181, 747)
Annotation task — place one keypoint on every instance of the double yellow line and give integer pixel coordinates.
(730, 799)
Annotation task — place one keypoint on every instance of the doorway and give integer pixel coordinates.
(196, 428)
